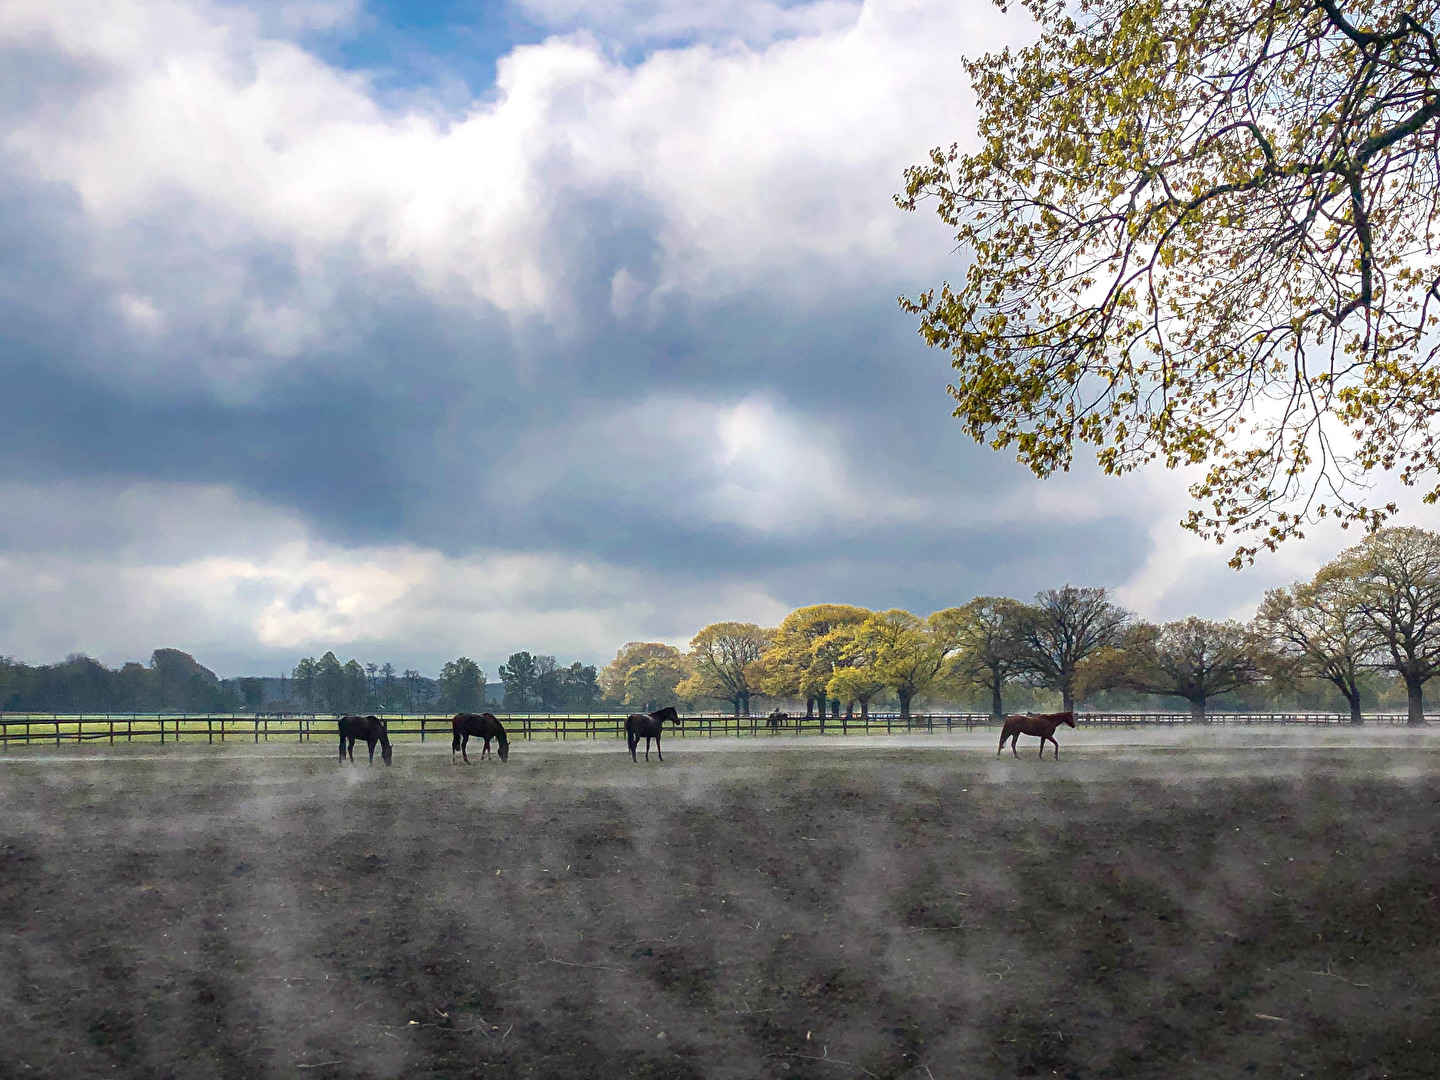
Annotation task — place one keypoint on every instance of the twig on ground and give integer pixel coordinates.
(319, 1064)
(827, 1060)
(571, 963)
(1267, 1016)
(922, 929)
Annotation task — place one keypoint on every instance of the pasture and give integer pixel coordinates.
(1154, 904)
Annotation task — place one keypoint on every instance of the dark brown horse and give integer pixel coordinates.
(483, 726)
(777, 720)
(647, 726)
(369, 728)
(1039, 724)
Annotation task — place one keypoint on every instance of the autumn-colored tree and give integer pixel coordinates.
(907, 653)
(1203, 232)
(801, 658)
(854, 681)
(723, 663)
(1194, 659)
(1319, 627)
(631, 655)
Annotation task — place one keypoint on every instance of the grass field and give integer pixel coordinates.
(1210, 904)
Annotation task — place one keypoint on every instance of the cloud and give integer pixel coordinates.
(607, 351)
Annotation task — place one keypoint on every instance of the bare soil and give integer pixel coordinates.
(777, 909)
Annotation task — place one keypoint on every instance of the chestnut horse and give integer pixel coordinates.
(483, 726)
(647, 726)
(369, 728)
(1040, 724)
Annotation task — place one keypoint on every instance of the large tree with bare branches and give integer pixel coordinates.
(1203, 232)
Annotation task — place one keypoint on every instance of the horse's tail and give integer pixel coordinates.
(455, 738)
(1004, 734)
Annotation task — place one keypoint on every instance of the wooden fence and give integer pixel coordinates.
(56, 729)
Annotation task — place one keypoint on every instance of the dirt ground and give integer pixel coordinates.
(1173, 905)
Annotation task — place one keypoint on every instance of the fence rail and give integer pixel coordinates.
(111, 728)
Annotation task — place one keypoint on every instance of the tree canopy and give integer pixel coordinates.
(1202, 232)
(723, 663)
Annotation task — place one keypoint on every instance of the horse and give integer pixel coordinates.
(647, 726)
(482, 726)
(1040, 724)
(776, 719)
(370, 728)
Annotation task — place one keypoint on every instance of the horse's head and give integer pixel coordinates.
(668, 713)
(502, 747)
(1068, 718)
(384, 733)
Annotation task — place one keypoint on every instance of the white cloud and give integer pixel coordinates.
(756, 159)
(116, 571)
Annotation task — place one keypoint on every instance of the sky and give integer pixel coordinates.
(418, 330)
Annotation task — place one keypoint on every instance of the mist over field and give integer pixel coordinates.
(1173, 906)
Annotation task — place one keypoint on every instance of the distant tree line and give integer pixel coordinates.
(1364, 631)
(172, 682)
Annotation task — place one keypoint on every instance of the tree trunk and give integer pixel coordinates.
(997, 706)
(744, 708)
(865, 710)
(1354, 699)
(904, 702)
(1417, 707)
(1067, 697)
(1197, 710)
(835, 708)
(809, 707)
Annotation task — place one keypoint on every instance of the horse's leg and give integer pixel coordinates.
(1056, 745)
(371, 744)
(634, 741)
(657, 748)
(350, 745)
(342, 749)
(485, 750)
(1014, 742)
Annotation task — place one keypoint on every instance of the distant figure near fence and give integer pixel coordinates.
(1042, 725)
(647, 726)
(483, 726)
(777, 720)
(369, 728)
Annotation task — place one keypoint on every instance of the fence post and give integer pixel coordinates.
(422, 727)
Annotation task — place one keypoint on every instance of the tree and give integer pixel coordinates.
(801, 658)
(577, 687)
(1396, 576)
(907, 653)
(990, 645)
(1194, 659)
(723, 659)
(1319, 627)
(1203, 231)
(521, 676)
(417, 688)
(462, 686)
(302, 682)
(655, 683)
(1062, 630)
(855, 679)
(631, 655)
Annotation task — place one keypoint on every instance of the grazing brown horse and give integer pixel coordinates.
(483, 726)
(1040, 724)
(369, 728)
(647, 726)
(777, 719)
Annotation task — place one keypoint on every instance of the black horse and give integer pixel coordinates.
(777, 720)
(483, 726)
(647, 726)
(369, 728)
